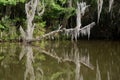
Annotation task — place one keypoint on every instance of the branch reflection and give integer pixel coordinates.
(71, 61)
(72, 56)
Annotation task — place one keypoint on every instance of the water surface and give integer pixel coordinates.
(60, 60)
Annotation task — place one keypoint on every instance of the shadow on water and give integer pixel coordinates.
(84, 60)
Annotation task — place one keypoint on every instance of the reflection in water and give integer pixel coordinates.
(7, 58)
(76, 60)
(108, 75)
(81, 77)
(74, 57)
(69, 61)
(29, 72)
(28, 52)
(98, 74)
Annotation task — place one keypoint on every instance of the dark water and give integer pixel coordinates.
(65, 60)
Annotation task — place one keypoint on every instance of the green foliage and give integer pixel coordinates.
(39, 29)
(40, 26)
(56, 12)
(56, 75)
(2, 27)
(94, 2)
(1, 58)
(11, 2)
(6, 21)
(40, 57)
(63, 1)
(8, 28)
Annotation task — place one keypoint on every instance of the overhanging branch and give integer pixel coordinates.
(68, 31)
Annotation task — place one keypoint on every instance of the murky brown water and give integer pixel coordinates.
(60, 60)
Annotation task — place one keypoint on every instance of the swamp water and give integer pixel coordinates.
(61, 60)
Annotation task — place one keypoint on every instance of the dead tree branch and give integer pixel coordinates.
(84, 31)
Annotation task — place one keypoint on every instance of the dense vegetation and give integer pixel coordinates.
(12, 16)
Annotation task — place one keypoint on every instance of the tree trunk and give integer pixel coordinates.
(30, 9)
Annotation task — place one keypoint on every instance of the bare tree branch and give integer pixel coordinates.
(67, 31)
(40, 8)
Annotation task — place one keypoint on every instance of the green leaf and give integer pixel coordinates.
(2, 27)
(1, 57)
(56, 75)
(11, 2)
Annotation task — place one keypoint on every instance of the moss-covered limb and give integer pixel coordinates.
(71, 31)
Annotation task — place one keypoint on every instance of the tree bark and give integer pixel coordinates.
(30, 9)
(66, 31)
